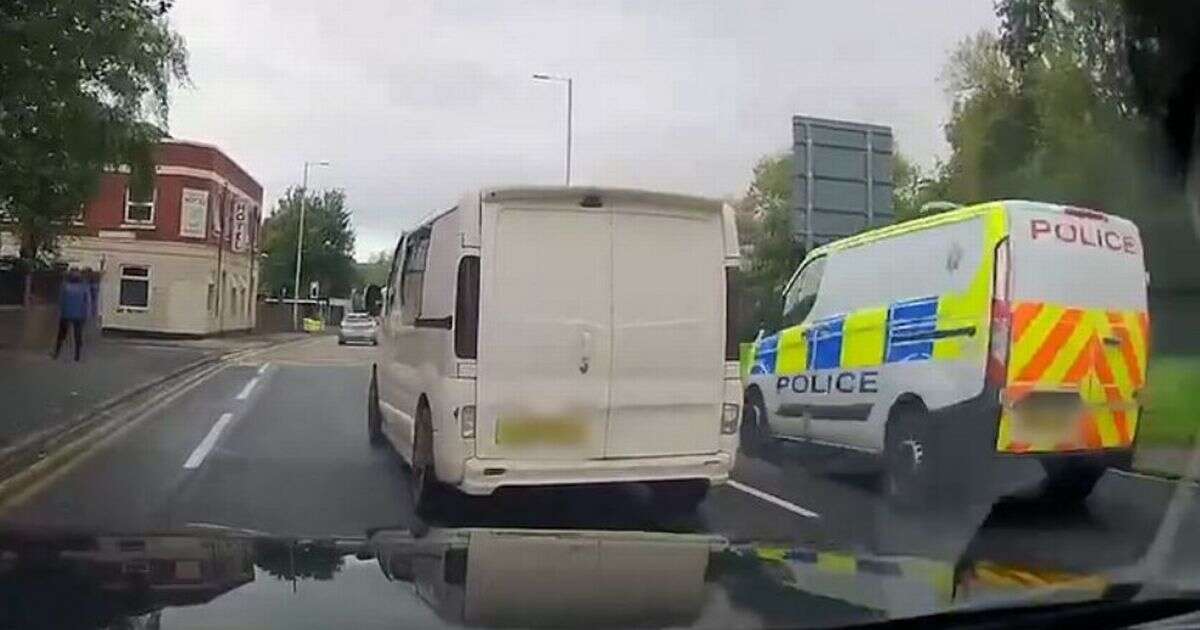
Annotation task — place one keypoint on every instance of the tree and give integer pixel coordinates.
(772, 253)
(83, 85)
(1067, 106)
(328, 243)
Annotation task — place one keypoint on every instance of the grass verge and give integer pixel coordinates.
(1172, 413)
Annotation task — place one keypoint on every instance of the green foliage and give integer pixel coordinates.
(772, 254)
(83, 85)
(1049, 110)
(328, 243)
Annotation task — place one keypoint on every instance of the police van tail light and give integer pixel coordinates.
(729, 418)
(1000, 331)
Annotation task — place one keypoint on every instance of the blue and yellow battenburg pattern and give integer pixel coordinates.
(905, 331)
(930, 328)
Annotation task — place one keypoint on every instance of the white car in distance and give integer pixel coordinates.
(357, 327)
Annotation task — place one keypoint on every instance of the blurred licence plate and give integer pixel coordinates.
(523, 432)
(1047, 423)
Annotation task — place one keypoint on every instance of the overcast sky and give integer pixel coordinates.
(415, 102)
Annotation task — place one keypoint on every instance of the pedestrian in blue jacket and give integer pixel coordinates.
(74, 306)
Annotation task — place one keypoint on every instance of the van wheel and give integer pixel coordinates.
(425, 490)
(680, 496)
(1070, 482)
(909, 458)
(755, 432)
(374, 417)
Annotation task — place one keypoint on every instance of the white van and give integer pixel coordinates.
(535, 336)
(1004, 330)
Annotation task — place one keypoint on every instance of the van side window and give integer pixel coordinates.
(393, 281)
(412, 278)
(802, 295)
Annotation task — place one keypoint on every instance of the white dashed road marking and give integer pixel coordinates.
(202, 449)
(245, 393)
(772, 499)
(263, 368)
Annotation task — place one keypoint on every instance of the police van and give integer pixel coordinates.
(1005, 330)
(544, 336)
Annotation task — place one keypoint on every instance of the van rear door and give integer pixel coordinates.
(1077, 359)
(668, 328)
(545, 330)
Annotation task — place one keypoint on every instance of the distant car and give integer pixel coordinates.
(358, 327)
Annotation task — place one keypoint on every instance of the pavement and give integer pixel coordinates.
(40, 392)
(277, 442)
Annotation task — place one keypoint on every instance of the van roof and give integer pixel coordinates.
(942, 218)
(527, 193)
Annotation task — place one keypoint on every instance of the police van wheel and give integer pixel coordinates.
(909, 458)
(1068, 482)
(374, 417)
(755, 432)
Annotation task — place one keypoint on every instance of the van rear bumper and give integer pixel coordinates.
(484, 476)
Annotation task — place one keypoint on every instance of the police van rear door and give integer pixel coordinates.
(1077, 359)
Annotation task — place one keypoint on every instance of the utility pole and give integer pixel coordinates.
(300, 243)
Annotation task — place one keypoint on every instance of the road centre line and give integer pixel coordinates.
(202, 449)
(245, 393)
(262, 369)
(772, 499)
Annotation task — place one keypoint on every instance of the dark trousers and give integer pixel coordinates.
(77, 324)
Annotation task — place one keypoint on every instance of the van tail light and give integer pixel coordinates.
(1000, 330)
(730, 413)
(466, 421)
(733, 305)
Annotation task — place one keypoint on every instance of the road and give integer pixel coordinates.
(277, 443)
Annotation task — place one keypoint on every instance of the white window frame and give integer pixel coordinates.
(121, 278)
(129, 222)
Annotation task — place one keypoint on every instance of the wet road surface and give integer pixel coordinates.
(278, 443)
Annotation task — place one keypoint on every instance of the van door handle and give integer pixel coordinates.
(585, 351)
(1112, 341)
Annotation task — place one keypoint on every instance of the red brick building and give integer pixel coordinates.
(181, 256)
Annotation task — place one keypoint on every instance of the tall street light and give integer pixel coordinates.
(300, 243)
(567, 80)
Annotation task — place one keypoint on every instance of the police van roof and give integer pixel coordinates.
(943, 218)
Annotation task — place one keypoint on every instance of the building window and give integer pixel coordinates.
(212, 298)
(135, 287)
(139, 207)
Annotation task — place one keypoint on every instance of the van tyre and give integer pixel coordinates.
(427, 493)
(755, 430)
(374, 416)
(910, 458)
(1070, 482)
(680, 497)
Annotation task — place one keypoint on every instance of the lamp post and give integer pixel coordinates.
(570, 116)
(300, 243)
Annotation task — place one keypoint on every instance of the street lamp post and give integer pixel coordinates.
(300, 243)
(570, 113)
